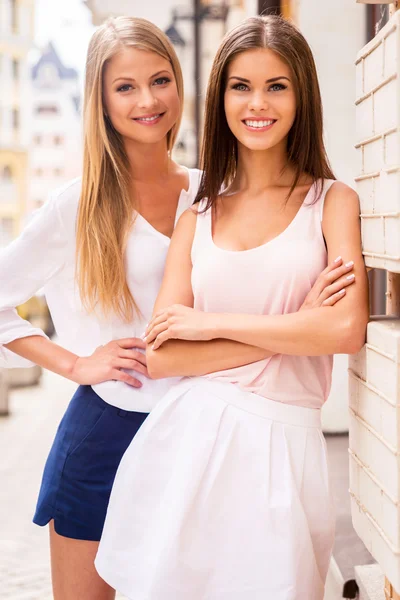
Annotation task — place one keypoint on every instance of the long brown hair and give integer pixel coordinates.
(305, 144)
(105, 212)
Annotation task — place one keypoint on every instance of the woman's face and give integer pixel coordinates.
(260, 100)
(140, 95)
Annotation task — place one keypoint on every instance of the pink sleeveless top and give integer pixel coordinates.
(271, 279)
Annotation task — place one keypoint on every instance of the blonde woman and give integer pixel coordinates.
(98, 247)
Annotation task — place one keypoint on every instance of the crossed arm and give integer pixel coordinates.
(339, 328)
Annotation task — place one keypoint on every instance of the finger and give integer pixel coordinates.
(160, 339)
(156, 331)
(125, 377)
(133, 342)
(133, 355)
(339, 272)
(133, 365)
(331, 274)
(335, 287)
(154, 322)
(333, 265)
(334, 298)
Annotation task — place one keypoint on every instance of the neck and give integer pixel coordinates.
(260, 169)
(148, 162)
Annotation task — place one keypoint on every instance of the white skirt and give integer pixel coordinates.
(222, 495)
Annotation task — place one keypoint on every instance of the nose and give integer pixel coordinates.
(146, 98)
(258, 101)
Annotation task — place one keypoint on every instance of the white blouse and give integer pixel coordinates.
(43, 256)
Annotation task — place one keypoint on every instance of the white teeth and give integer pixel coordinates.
(258, 124)
(148, 118)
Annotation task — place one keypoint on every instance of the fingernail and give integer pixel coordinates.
(349, 264)
(349, 277)
(143, 337)
(342, 292)
(338, 259)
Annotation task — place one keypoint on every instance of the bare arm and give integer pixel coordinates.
(191, 358)
(341, 328)
(26, 265)
(338, 329)
(179, 357)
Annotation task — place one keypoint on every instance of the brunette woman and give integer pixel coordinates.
(224, 494)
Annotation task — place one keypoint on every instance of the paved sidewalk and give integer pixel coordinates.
(25, 439)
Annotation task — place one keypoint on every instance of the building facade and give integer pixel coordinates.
(16, 38)
(55, 140)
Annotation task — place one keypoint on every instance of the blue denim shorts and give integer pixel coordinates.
(80, 470)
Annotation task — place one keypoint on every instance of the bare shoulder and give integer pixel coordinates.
(185, 227)
(341, 198)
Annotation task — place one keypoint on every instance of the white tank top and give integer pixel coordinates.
(271, 279)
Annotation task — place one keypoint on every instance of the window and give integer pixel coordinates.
(14, 15)
(58, 140)
(6, 173)
(15, 118)
(377, 17)
(48, 109)
(15, 69)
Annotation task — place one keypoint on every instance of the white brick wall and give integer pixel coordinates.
(378, 146)
(375, 444)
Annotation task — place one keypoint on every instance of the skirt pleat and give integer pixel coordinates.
(213, 502)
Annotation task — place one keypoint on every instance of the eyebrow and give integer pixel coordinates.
(267, 81)
(151, 77)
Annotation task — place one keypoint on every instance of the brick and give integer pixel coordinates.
(372, 231)
(392, 236)
(373, 156)
(366, 191)
(364, 119)
(391, 60)
(386, 101)
(359, 157)
(392, 149)
(373, 69)
(360, 79)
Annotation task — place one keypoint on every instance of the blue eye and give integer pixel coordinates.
(240, 87)
(162, 80)
(124, 88)
(277, 87)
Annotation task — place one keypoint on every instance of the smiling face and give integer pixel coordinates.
(259, 99)
(140, 95)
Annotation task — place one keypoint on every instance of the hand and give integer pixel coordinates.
(179, 322)
(107, 363)
(330, 286)
(184, 323)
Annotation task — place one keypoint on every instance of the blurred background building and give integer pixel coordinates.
(55, 149)
(16, 39)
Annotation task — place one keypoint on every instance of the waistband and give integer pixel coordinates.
(230, 393)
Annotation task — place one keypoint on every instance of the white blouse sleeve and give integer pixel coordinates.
(36, 256)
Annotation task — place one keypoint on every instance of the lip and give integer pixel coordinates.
(257, 119)
(148, 123)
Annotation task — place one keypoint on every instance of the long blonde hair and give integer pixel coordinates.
(105, 212)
